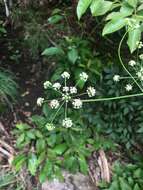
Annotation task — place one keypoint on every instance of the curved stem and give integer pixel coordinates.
(112, 98)
(120, 59)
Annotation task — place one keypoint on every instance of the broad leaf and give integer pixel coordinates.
(32, 164)
(83, 164)
(100, 7)
(18, 161)
(60, 149)
(73, 55)
(136, 187)
(82, 7)
(113, 26)
(134, 36)
(132, 3)
(52, 51)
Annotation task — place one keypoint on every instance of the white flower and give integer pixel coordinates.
(57, 86)
(141, 78)
(91, 91)
(141, 56)
(73, 90)
(40, 101)
(65, 89)
(116, 78)
(77, 103)
(83, 76)
(66, 97)
(50, 126)
(139, 44)
(132, 63)
(67, 122)
(54, 104)
(139, 74)
(47, 84)
(65, 75)
(128, 87)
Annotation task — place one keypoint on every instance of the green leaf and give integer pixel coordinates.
(83, 164)
(22, 126)
(100, 7)
(82, 7)
(126, 9)
(2, 30)
(132, 3)
(136, 187)
(140, 130)
(72, 55)
(18, 161)
(134, 36)
(20, 139)
(53, 51)
(55, 19)
(124, 184)
(32, 164)
(46, 171)
(115, 15)
(40, 145)
(113, 26)
(30, 134)
(60, 149)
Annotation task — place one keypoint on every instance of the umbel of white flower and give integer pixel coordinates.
(67, 96)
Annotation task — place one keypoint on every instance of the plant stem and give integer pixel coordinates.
(113, 98)
(57, 112)
(119, 55)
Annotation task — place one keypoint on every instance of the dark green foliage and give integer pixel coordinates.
(125, 177)
(124, 123)
(8, 87)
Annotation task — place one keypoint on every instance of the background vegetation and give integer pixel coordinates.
(41, 39)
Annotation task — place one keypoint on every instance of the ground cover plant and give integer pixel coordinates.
(78, 67)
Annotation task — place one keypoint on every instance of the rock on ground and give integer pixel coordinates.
(71, 182)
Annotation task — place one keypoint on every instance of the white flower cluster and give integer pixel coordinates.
(65, 75)
(73, 90)
(54, 104)
(91, 91)
(65, 89)
(128, 87)
(116, 78)
(47, 84)
(50, 126)
(77, 103)
(139, 45)
(67, 123)
(140, 74)
(56, 86)
(40, 101)
(141, 56)
(83, 76)
(132, 63)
